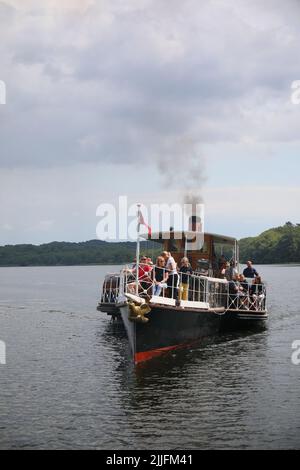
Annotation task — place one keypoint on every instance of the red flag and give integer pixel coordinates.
(141, 221)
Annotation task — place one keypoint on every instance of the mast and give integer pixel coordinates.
(237, 255)
(138, 250)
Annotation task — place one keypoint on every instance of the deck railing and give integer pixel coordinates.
(197, 291)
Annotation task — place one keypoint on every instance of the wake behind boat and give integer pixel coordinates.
(181, 308)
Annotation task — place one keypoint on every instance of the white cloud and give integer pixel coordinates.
(97, 82)
(7, 227)
(135, 74)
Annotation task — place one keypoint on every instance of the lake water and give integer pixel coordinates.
(69, 381)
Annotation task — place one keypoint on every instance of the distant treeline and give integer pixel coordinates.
(277, 245)
(67, 254)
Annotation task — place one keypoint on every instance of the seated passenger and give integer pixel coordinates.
(184, 272)
(159, 276)
(144, 273)
(244, 284)
(258, 293)
(238, 293)
(144, 279)
(244, 291)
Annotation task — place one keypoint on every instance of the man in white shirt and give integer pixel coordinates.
(173, 279)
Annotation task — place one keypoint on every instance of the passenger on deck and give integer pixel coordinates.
(173, 279)
(144, 273)
(145, 281)
(250, 272)
(244, 283)
(238, 293)
(224, 273)
(222, 262)
(227, 273)
(258, 292)
(159, 276)
(244, 291)
(184, 272)
(231, 270)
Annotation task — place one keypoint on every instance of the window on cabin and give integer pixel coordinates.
(204, 250)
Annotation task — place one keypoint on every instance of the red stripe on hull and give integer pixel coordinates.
(146, 355)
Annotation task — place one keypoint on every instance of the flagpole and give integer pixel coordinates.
(138, 250)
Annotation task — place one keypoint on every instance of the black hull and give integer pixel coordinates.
(241, 320)
(168, 329)
(171, 328)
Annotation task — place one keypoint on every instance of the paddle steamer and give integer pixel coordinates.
(157, 324)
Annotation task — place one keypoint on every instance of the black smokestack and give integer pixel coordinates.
(195, 224)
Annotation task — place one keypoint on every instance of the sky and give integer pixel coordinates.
(147, 99)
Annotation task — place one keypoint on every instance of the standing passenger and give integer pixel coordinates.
(173, 278)
(185, 271)
(250, 272)
(231, 270)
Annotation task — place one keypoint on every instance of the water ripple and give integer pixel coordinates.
(69, 382)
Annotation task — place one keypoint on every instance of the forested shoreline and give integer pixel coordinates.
(277, 245)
